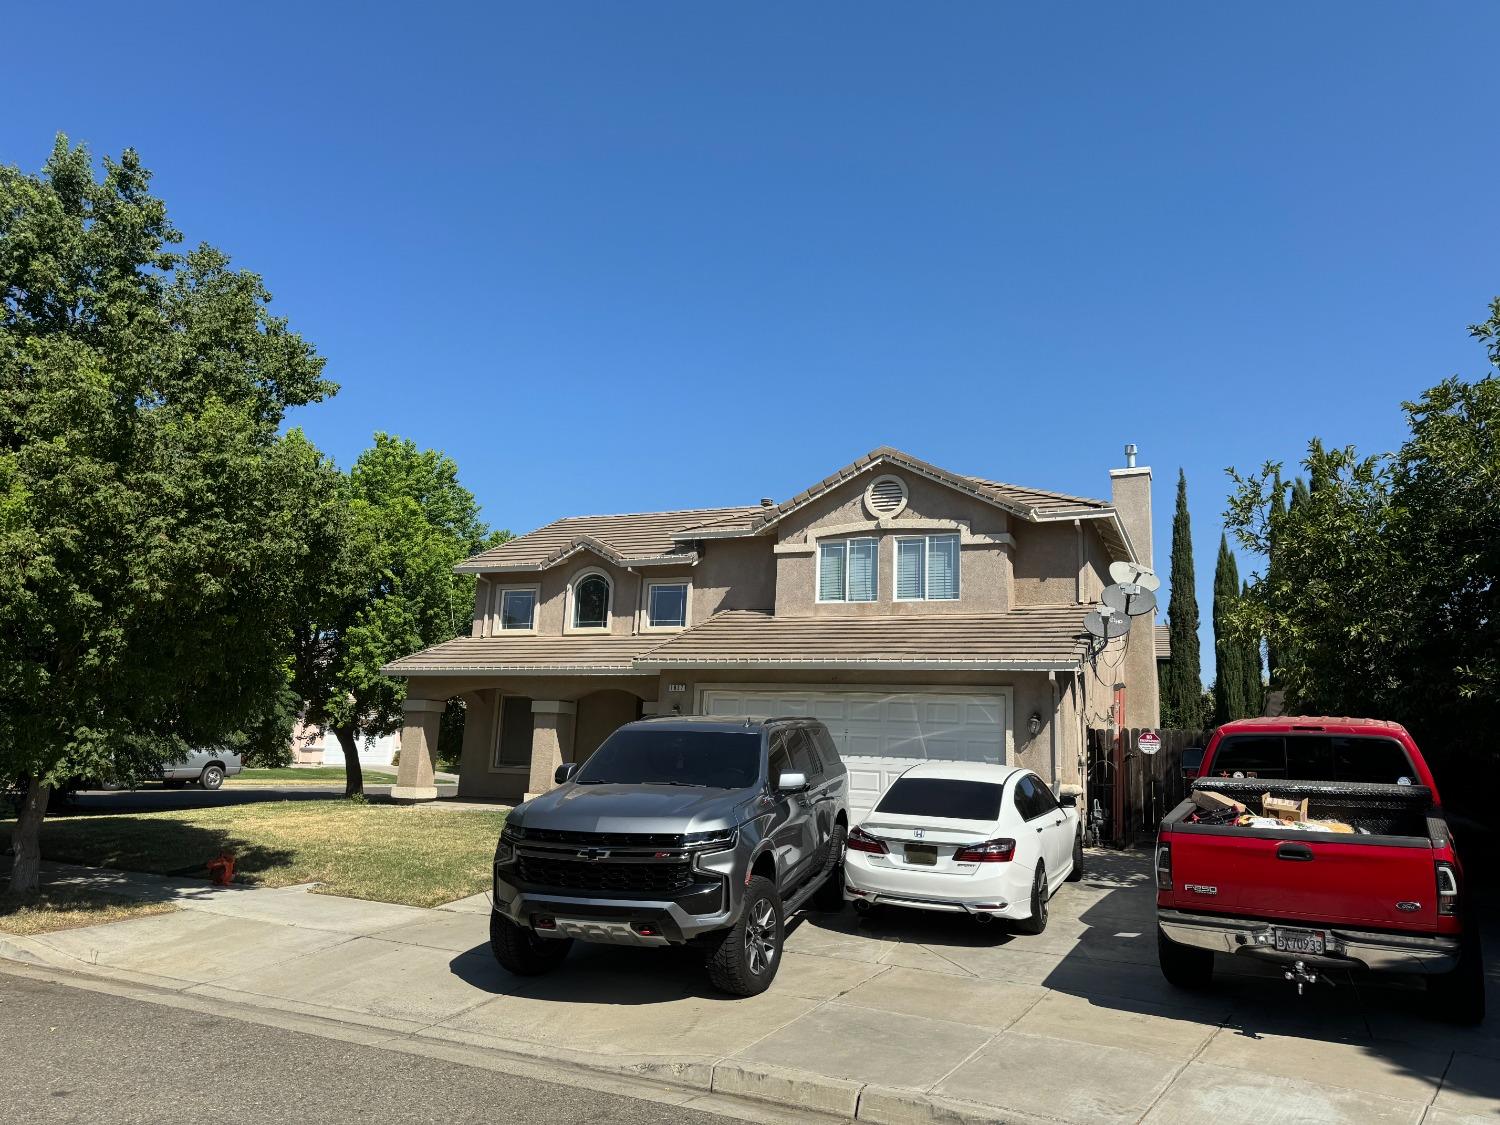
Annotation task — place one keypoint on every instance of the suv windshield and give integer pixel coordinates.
(942, 797)
(1314, 757)
(710, 758)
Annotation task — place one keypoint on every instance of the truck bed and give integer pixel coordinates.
(1381, 875)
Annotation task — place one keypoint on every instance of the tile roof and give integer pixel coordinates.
(1037, 499)
(566, 655)
(1034, 636)
(633, 538)
(1163, 637)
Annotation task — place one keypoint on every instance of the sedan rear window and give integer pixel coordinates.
(942, 797)
(712, 759)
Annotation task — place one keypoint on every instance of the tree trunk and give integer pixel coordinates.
(354, 774)
(26, 840)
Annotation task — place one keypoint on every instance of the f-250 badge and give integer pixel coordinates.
(1200, 889)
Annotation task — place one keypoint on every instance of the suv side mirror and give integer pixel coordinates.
(1192, 761)
(791, 782)
(1068, 801)
(565, 773)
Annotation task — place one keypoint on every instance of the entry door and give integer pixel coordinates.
(880, 735)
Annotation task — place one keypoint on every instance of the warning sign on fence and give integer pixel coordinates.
(1149, 742)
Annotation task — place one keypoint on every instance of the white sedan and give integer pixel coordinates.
(966, 838)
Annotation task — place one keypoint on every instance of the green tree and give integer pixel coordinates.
(149, 505)
(401, 522)
(1182, 685)
(1275, 515)
(1385, 596)
(1229, 647)
(1250, 663)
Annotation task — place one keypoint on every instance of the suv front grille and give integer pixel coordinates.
(602, 839)
(601, 875)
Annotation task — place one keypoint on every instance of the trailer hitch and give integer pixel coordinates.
(1302, 976)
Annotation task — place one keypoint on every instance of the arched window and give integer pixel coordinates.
(591, 602)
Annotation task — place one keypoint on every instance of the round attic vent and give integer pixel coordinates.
(885, 497)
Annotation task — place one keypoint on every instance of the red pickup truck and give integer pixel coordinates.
(1322, 847)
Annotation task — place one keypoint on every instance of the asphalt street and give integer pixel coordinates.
(72, 1055)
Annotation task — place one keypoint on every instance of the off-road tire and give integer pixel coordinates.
(1077, 872)
(521, 952)
(212, 776)
(1038, 920)
(830, 895)
(746, 959)
(1457, 996)
(1185, 966)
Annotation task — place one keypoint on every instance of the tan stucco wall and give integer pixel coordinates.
(984, 568)
(734, 574)
(599, 715)
(1046, 564)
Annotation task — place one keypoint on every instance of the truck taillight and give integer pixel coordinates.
(1163, 866)
(991, 851)
(1447, 889)
(861, 841)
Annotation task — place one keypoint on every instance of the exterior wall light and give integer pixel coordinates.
(1034, 724)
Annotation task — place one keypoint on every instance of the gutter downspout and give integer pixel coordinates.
(1052, 727)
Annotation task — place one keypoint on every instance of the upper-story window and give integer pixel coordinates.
(666, 605)
(591, 602)
(927, 568)
(518, 608)
(848, 570)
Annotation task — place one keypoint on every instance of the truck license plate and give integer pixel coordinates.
(924, 854)
(1299, 941)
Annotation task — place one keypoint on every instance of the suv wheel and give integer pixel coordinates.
(830, 896)
(749, 953)
(521, 952)
(213, 776)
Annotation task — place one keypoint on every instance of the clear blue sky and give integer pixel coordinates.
(615, 257)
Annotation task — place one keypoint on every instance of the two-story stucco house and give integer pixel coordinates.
(918, 612)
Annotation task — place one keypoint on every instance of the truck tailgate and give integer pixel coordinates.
(1306, 876)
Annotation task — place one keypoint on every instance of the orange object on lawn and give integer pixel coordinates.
(221, 870)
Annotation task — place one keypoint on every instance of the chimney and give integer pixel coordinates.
(1130, 490)
(767, 502)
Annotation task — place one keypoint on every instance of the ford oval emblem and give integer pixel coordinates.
(1409, 907)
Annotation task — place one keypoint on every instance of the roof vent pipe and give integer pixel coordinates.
(767, 502)
(1130, 452)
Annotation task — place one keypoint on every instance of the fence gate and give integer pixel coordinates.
(1129, 792)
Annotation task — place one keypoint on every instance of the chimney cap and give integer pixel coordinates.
(1130, 452)
(767, 502)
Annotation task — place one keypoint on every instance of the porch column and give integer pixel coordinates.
(419, 739)
(551, 742)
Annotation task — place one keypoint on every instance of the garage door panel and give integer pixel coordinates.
(880, 735)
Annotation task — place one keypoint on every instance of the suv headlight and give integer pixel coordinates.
(505, 849)
(716, 840)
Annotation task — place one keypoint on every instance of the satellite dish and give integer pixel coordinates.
(1106, 623)
(1133, 574)
(1131, 600)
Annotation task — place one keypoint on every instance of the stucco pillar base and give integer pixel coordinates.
(551, 742)
(419, 739)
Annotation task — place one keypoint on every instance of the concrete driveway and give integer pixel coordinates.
(906, 1018)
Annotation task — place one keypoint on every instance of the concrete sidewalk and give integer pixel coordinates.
(911, 1018)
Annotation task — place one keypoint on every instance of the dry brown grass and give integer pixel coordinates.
(386, 852)
(66, 908)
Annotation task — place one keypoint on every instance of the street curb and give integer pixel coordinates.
(815, 1095)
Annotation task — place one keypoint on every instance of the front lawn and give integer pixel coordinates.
(322, 775)
(66, 908)
(390, 853)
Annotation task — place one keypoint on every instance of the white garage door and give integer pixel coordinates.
(881, 734)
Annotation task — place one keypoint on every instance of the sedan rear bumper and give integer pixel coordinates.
(1358, 949)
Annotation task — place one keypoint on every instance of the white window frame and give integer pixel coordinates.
(499, 593)
(570, 615)
(687, 607)
(926, 541)
(818, 570)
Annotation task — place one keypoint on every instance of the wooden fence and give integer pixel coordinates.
(1129, 792)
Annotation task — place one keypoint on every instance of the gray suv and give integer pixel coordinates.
(677, 831)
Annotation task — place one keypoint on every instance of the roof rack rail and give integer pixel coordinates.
(790, 719)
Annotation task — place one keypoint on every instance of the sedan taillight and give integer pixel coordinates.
(861, 841)
(991, 851)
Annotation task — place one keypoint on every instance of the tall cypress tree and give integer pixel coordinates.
(1229, 650)
(1255, 687)
(1182, 687)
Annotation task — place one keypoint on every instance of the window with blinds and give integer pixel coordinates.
(848, 570)
(927, 568)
